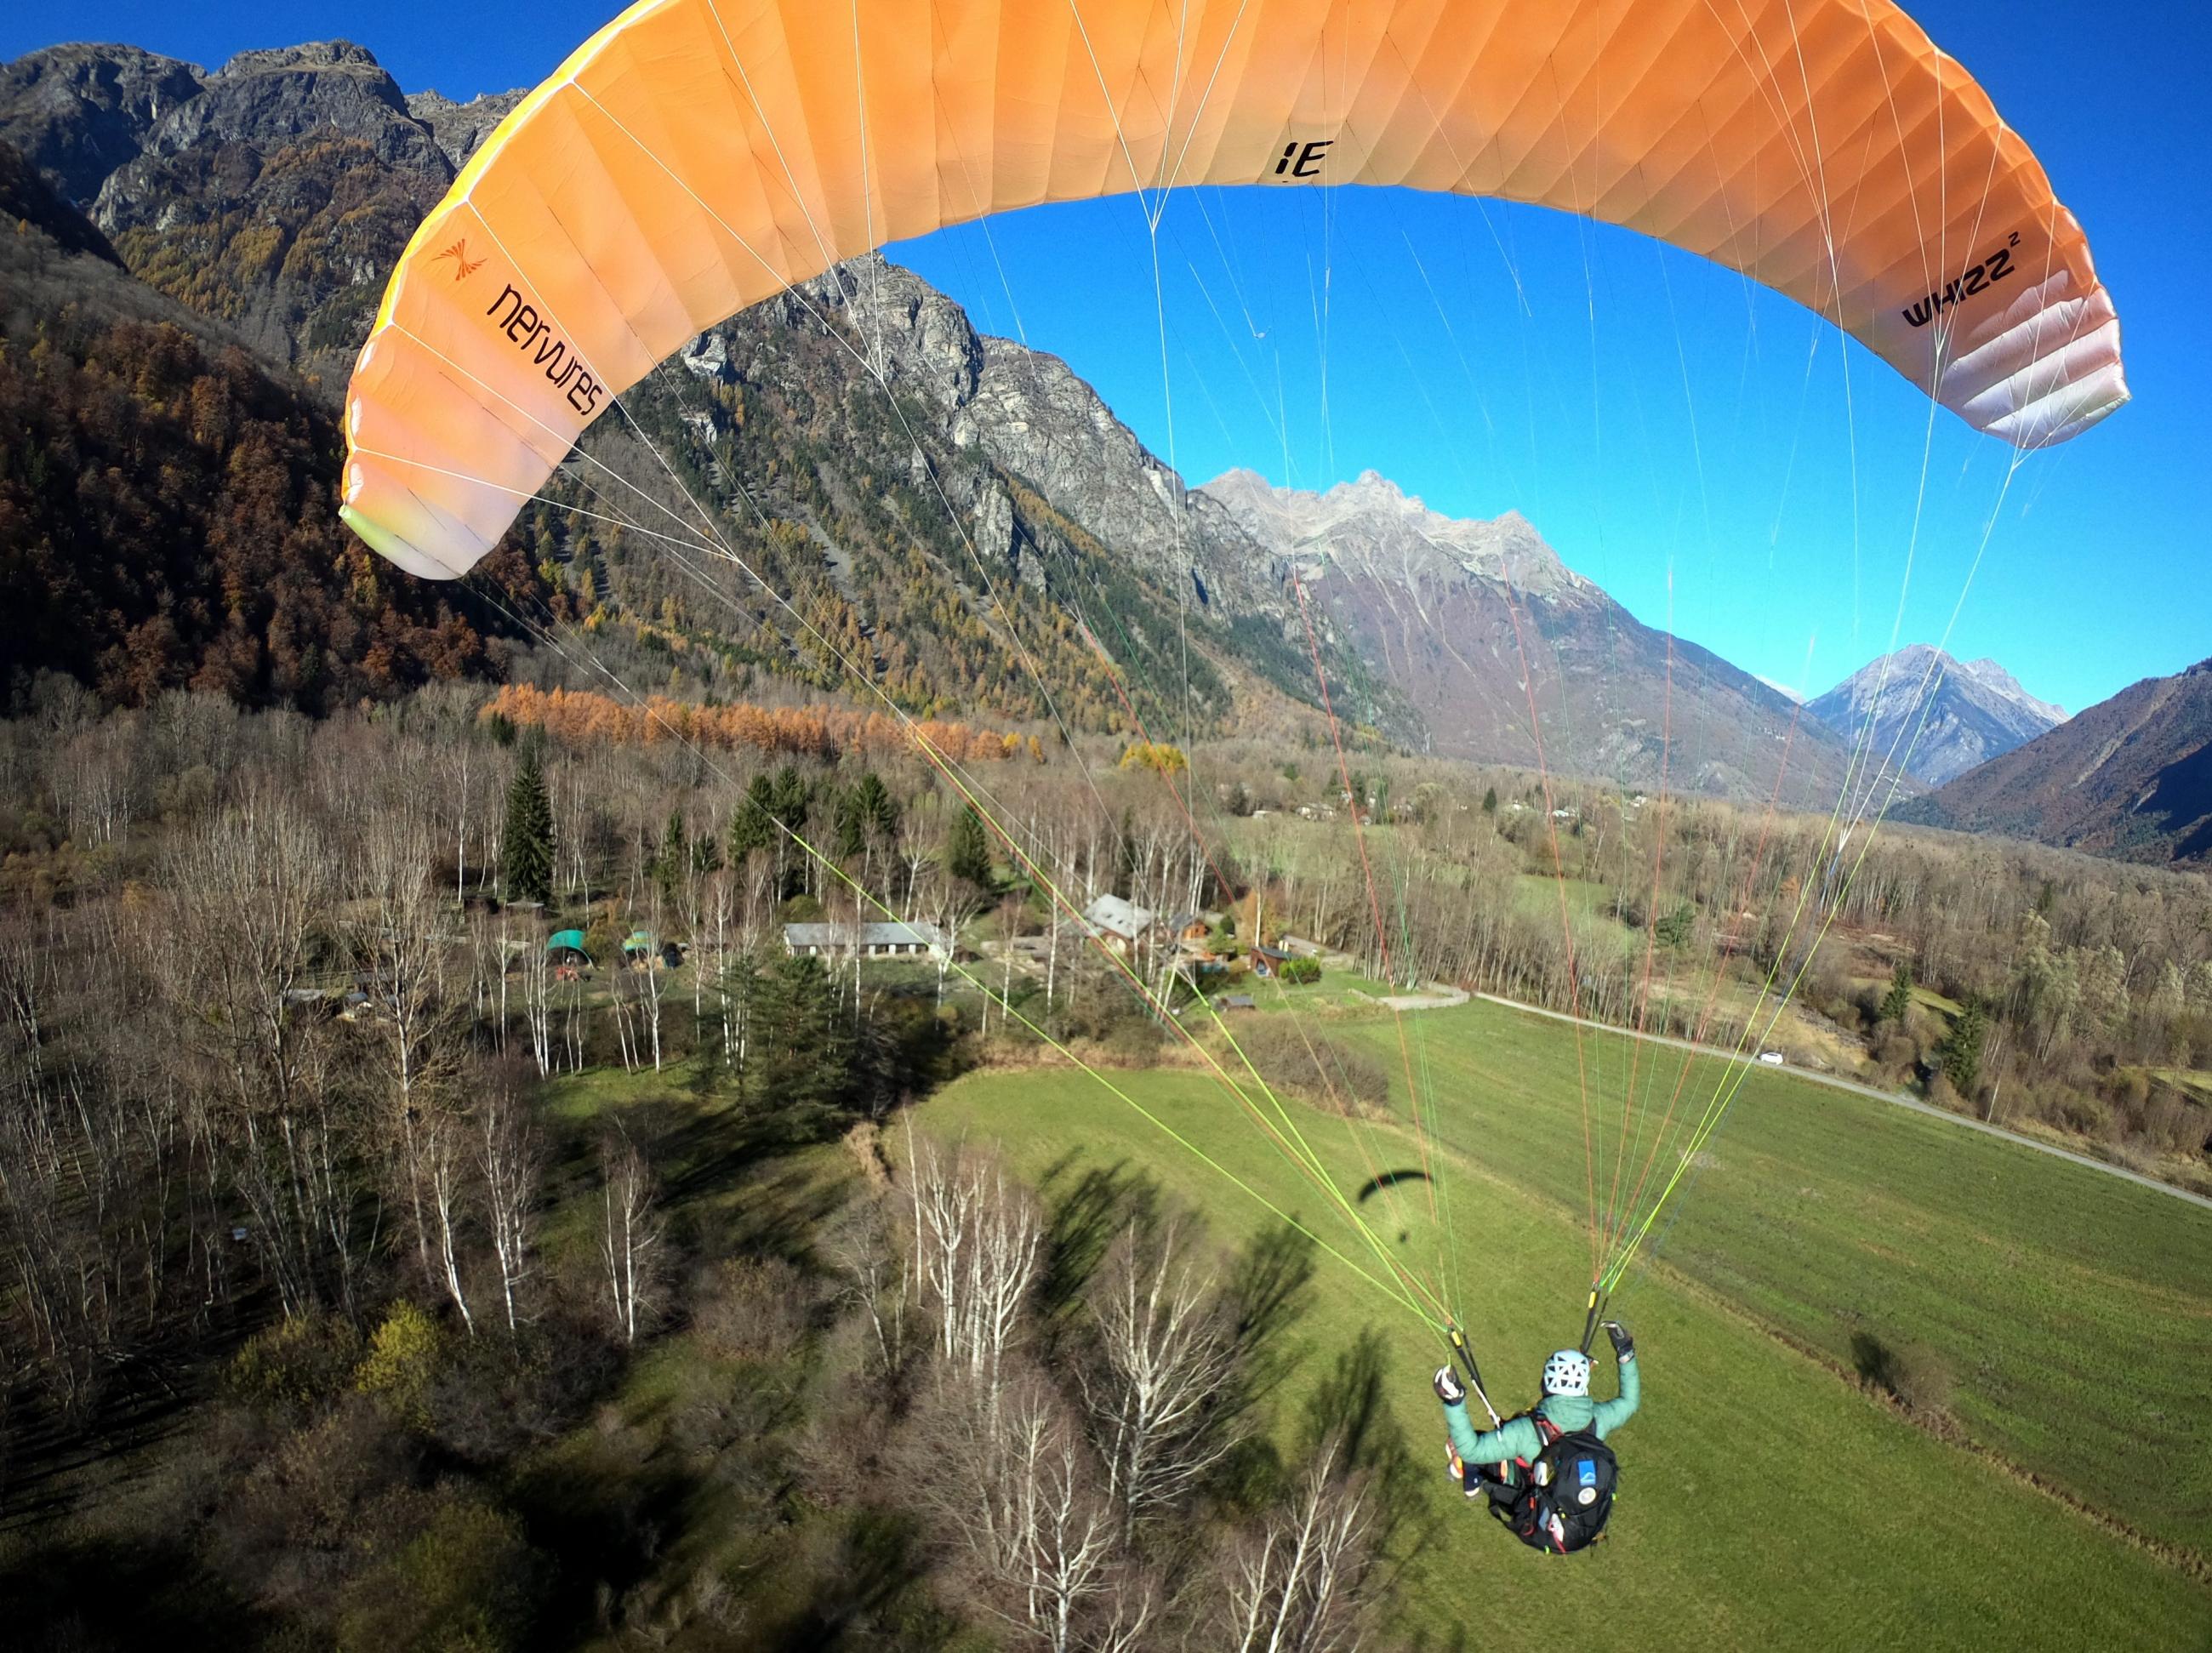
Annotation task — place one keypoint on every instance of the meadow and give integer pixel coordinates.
(2052, 1485)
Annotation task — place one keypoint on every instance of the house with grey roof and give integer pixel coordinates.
(916, 940)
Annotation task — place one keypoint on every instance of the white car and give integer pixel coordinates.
(1771, 1058)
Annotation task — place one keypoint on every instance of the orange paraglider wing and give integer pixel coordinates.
(697, 156)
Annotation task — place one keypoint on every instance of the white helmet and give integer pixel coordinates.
(1567, 1373)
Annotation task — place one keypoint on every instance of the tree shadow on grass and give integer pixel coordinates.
(778, 1210)
(1348, 1414)
(1914, 1377)
(604, 1521)
(1347, 1410)
(1267, 1291)
(1085, 1209)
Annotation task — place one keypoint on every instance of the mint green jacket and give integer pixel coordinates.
(1517, 1438)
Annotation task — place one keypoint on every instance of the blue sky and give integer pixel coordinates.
(1679, 435)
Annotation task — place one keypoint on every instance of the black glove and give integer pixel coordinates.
(1623, 1345)
(1449, 1390)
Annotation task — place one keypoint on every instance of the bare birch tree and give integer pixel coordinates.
(445, 1165)
(417, 1037)
(511, 1158)
(1299, 1584)
(630, 1237)
(1019, 1488)
(978, 1241)
(1156, 1392)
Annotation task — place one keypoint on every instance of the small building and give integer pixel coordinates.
(1266, 961)
(1118, 923)
(566, 947)
(1239, 1001)
(917, 939)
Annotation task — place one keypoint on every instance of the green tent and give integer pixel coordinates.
(567, 941)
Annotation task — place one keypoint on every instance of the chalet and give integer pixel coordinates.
(919, 939)
(1117, 923)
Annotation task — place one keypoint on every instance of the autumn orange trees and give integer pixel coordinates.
(583, 718)
(166, 522)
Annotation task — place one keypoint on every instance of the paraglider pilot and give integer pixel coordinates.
(1514, 1464)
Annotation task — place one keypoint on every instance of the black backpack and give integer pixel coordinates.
(1566, 1490)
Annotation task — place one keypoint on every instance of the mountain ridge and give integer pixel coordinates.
(2130, 778)
(1943, 714)
(1473, 620)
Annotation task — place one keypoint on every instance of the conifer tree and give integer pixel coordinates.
(526, 843)
(753, 827)
(674, 858)
(968, 849)
(1962, 1051)
(1898, 998)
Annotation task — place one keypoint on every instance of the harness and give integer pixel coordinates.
(1565, 1493)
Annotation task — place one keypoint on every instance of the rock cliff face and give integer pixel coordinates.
(460, 128)
(1948, 716)
(1030, 414)
(79, 112)
(1036, 480)
(30, 201)
(270, 98)
(272, 195)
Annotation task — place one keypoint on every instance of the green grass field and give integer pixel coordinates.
(1768, 1498)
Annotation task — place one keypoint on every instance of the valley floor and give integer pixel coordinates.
(1773, 1495)
(1852, 1086)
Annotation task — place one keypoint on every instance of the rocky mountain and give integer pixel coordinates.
(1029, 414)
(28, 199)
(963, 511)
(1940, 716)
(1369, 529)
(77, 113)
(267, 199)
(1464, 619)
(2131, 777)
(272, 194)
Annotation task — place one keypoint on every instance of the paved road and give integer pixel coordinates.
(1834, 1083)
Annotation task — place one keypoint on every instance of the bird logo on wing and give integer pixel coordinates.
(464, 266)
